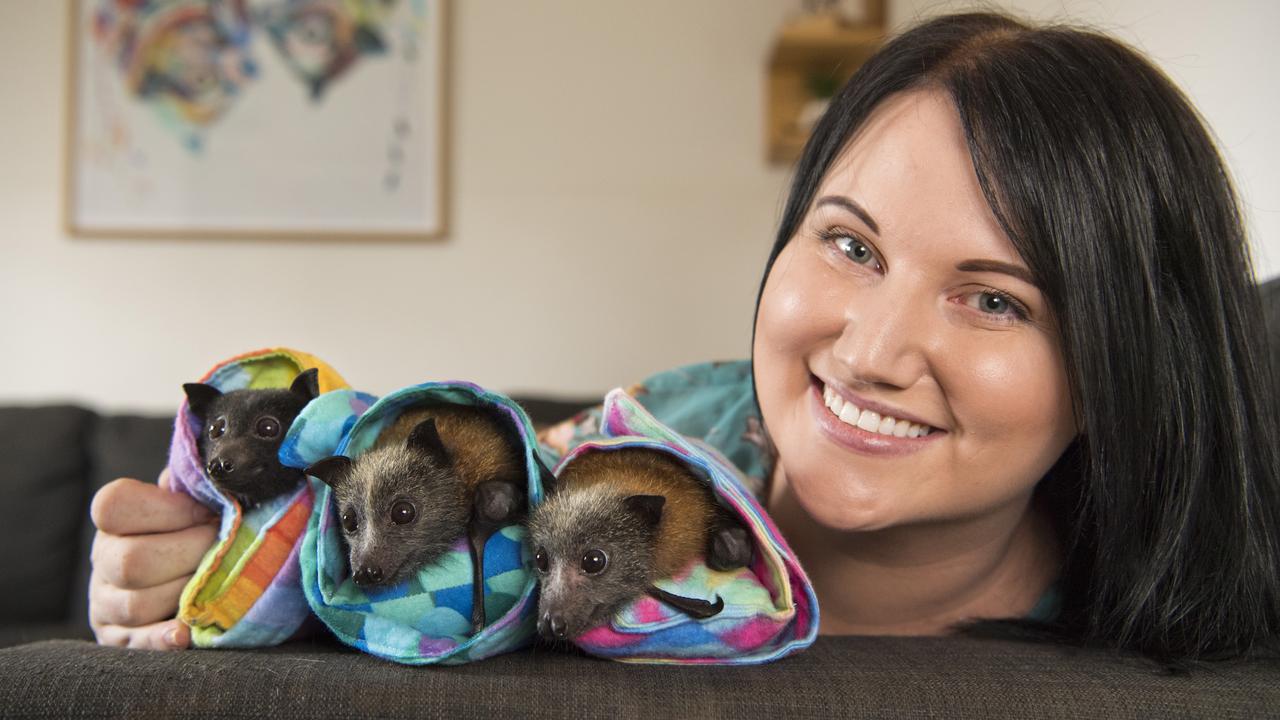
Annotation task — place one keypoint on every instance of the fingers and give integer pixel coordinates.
(110, 605)
(167, 635)
(149, 543)
(129, 507)
(137, 562)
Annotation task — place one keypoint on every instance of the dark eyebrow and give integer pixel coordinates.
(996, 266)
(852, 207)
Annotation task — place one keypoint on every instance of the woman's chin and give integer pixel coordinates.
(839, 506)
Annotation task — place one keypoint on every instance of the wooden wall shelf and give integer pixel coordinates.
(813, 50)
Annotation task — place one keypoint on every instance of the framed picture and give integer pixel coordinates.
(257, 118)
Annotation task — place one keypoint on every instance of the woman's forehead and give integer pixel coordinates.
(909, 168)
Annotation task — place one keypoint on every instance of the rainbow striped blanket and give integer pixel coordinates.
(246, 590)
(424, 619)
(770, 609)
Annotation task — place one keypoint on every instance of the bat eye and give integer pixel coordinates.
(217, 428)
(541, 561)
(267, 428)
(349, 521)
(402, 512)
(594, 562)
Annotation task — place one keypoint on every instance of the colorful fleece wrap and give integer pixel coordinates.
(425, 618)
(770, 609)
(246, 590)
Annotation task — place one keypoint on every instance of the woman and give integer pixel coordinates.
(1124, 286)
(1008, 351)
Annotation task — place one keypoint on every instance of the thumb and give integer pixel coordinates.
(168, 635)
(176, 636)
(128, 507)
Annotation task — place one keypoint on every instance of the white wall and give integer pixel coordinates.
(610, 209)
(610, 216)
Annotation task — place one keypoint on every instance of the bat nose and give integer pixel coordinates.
(221, 468)
(552, 627)
(368, 575)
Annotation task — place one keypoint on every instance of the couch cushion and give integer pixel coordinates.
(43, 487)
(836, 677)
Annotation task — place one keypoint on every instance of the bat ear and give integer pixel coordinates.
(200, 397)
(331, 471)
(544, 473)
(426, 438)
(647, 507)
(307, 384)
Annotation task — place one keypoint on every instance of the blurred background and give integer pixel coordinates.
(611, 202)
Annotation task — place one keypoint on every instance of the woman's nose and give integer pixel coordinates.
(885, 338)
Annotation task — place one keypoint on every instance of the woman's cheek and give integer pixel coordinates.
(782, 309)
(801, 304)
(1012, 407)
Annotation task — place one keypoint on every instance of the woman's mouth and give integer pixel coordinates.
(870, 420)
(867, 431)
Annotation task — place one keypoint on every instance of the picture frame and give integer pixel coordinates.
(257, 119)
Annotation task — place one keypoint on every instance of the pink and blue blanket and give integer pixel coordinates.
(770, 609)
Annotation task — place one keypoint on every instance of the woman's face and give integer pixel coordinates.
(900, 306)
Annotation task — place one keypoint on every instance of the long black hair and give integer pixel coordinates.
(1107, 183)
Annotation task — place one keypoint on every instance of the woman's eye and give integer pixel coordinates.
(594, 562)
(541, 561)
(217, 428)
(856, 250)
(267, 427)
(996, 304)
(349, 521)
(403, 512)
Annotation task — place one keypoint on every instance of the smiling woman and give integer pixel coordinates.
(910, 376)
(1009, 350)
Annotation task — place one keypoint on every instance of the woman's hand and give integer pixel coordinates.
(149, 543)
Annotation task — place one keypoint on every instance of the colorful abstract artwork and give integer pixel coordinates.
(257, 117)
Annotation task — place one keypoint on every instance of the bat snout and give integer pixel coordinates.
(221, 468)
(553, 626)
(368, 575)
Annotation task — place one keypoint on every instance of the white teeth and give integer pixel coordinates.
(849, 414)
(870, 420)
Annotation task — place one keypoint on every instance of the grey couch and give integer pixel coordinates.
(53, 458)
